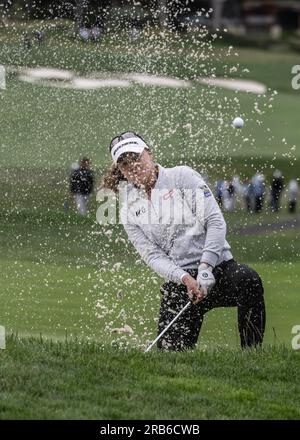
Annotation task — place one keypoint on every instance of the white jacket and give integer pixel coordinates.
(180, 227)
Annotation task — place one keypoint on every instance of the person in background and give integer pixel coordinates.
(293, 192)
(232, 195)
(248, 195)
(277, 185)
(236, 182)
(39, 36)
(238, 189)
(228, 196)
(95, 33)
(26, 41)
(219, 191)
(82, 184)
(258, 183)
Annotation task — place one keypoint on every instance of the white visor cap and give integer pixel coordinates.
(129, 145)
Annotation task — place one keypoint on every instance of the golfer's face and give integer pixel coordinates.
(138, 171)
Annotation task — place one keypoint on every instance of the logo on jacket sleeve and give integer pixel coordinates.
(140, 211)
(206, 191)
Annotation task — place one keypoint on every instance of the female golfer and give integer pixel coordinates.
(175, 224)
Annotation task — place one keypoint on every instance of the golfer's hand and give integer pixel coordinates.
(205, 278)
(193, 289)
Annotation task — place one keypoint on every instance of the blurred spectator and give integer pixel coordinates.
(253, 192)
(84, 33)
(238, 187)
(276, 190)
(39, 36)
(95, 33)
(219, 192)
(249, 195)
(228, 196)
(26, 41)
(81, 185)
(293, 195)
(135, 33)
(258, 183)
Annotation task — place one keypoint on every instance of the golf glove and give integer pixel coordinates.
(205, 278)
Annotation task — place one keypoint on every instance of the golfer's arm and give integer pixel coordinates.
(210, 216)
(215, 226)
(153, 255)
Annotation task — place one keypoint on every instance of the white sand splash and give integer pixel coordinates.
(126, 329)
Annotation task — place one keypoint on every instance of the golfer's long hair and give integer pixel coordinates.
(113, 177)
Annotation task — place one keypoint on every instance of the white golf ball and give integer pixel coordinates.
(238, 122)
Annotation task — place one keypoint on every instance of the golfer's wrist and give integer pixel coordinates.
(204, 265)
(184, 277)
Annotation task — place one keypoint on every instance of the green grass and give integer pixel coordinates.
(86, 121)
(54, 266)
(46, 380)
(55, 301)
(46, 129)
(57, 272)
(57, 269)
(153, 52)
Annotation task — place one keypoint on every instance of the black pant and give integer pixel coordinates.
(237, 285)
(275, 201)
(258, 203)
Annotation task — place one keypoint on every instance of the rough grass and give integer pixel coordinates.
(46, 380)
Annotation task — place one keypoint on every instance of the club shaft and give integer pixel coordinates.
(169, 325)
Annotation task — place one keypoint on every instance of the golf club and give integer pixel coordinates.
(169, 325)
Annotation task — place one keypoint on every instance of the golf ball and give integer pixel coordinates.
(238, 122)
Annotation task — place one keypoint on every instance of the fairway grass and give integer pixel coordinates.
(61, 275)
(56, 301)
(73, 380)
